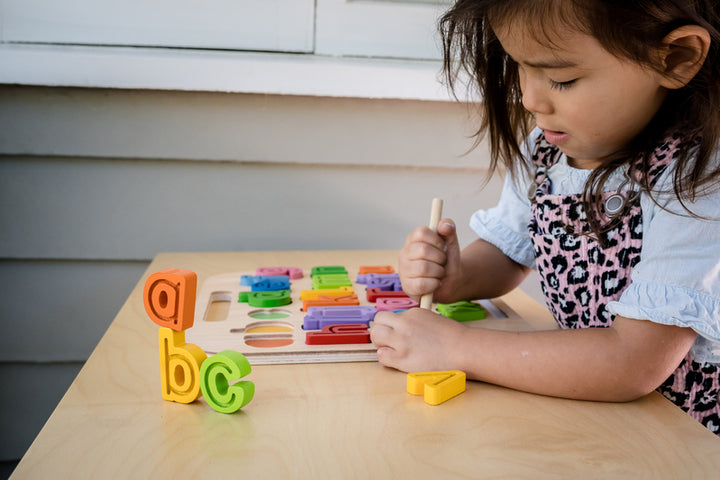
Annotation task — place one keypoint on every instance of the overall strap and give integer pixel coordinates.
(544, 155)
(642, 171)
(654, 165)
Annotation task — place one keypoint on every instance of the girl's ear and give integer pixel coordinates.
(683, 53)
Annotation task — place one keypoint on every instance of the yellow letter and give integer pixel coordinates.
(179, 367)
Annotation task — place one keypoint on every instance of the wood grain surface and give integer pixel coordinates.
(345, 420)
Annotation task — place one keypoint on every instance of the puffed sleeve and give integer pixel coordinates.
(677, 281)
(506, 224)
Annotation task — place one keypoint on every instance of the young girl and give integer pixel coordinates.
(606, 114)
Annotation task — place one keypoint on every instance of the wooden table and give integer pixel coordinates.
(350, 420)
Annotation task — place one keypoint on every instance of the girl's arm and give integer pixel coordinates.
(620, 363)
(433, 262)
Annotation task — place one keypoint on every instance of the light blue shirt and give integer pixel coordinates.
(676, 282)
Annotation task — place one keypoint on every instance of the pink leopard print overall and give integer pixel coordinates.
(579, 276)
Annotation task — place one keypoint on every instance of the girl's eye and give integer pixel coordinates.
(561, 85)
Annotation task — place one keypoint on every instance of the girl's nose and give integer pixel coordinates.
(534, 98)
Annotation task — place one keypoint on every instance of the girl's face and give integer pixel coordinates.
(590, 103)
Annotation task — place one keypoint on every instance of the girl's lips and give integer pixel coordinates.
(556, 138)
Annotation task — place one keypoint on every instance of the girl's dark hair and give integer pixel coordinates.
(628, 29)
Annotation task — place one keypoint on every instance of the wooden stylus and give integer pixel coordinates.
(435, 214)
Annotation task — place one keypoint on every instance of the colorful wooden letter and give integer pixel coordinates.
(373, 294)
(385, 269)
(319, 317)
(179, 367)
(389, 304)
(339, 335)
(323, 301)
(436, 387)
(383, 281)
(249, 280)
(326, 292)
(463, 311)
(331, 280)
(215, 374)
(271, 299)
(328, 270)
(169, 298)
(293, 272)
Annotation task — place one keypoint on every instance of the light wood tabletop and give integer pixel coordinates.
(344, 420)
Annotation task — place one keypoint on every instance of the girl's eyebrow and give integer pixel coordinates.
(550, 64)
(555, 63)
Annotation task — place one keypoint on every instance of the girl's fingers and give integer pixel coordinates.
(382, 336)
(424, 251)
(386, 357)
(380, 330)
(425, 235)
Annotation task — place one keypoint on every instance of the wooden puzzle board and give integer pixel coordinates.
(276, 335)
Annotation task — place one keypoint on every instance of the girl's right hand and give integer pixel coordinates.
(430, 262)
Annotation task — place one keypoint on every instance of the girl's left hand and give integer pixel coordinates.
(417, 340)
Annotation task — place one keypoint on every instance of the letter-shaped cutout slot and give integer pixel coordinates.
(268, 327)
(268, 340)
(269, 314)
(218, 307)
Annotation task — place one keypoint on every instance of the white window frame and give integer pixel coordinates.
(335, 67)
